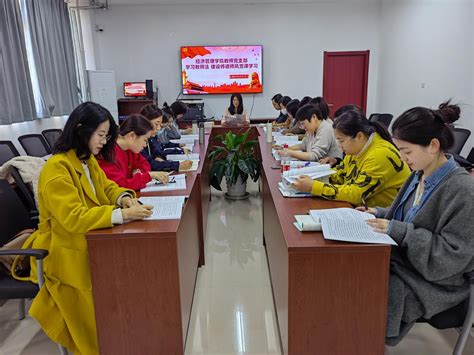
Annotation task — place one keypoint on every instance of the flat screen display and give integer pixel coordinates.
(134, 89)
(221, 69)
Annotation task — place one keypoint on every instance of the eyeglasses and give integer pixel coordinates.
(102, 137)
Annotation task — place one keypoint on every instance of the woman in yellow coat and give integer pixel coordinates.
(75, 197)
(372, 171)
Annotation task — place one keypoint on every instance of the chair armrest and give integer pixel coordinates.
(39, 254)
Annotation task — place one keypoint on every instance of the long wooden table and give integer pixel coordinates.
(330, 297)
(144, 275)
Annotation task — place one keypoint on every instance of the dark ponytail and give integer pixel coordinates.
(419, 125)
(352, 122)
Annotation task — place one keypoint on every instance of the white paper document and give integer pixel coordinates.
(287, 140)
(176, 182)
(164, 207)
(183, 140)
(277, 157)
(307, 170)
(319, 172)
(183, 157)
(194, 167)
(193, 136)
(347, 224)
(288, 191)
(294, 164)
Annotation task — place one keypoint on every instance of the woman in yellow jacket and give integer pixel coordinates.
(75, 197)
(371, 172)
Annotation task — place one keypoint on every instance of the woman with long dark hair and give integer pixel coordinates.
(129, 168)
(430, 219)
(76, 197)
(371, 172)
(236, 107)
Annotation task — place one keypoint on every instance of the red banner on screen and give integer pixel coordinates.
(221, 70)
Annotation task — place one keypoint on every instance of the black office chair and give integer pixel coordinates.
(51, 136)
(470, 157)
(15, 218)
(34, 145)
(460, 137)
(460, 316)
(26, 195)
(7, 151)
(383, 118)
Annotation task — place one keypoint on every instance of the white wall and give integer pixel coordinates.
(430, 42)
(142, 42)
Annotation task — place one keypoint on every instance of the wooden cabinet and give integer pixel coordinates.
(128, 106)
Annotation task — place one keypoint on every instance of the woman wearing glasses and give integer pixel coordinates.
(75, 197)
(319, 141)
(371, 172)
(130, 169)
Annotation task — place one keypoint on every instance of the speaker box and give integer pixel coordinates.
(149, 89)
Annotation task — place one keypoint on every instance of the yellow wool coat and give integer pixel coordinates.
(68, 210)
(377, 175)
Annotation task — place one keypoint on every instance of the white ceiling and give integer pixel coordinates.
(229, 2)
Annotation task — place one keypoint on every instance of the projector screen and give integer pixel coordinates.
(221, 69)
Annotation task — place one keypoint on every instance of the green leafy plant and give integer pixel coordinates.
(236, 157)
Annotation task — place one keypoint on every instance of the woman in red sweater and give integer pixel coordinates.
(129, 168)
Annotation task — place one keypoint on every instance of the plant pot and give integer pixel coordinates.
(237, 191)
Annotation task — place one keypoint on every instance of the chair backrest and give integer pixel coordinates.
(24, 192)
(460, 137)
(13, 215)
(383, 118)
(34, 145)
(7, 151)
(51, 136)
(470, 157)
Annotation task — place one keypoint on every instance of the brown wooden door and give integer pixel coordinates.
(345, 78)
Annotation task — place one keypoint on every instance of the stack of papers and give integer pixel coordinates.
(164, 207)
(277, 157)
(183, 157)
(348, 225)
(185, 140)
(194, 157)
(176, 182)
(287, 191)
(290, 140)
(314, 172)
(294, 164)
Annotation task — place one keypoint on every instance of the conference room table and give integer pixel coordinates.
(330, 297)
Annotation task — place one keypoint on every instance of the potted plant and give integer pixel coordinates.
(235, 159)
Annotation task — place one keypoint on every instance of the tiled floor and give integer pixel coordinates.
(233, 308)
